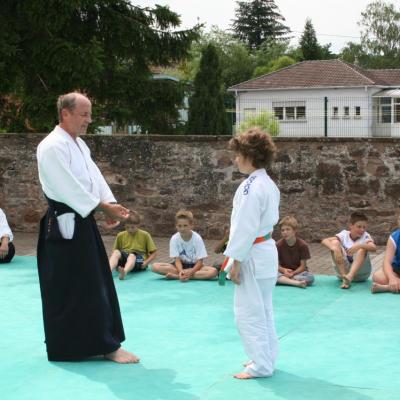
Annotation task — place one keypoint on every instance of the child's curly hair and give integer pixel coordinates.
(256, 145)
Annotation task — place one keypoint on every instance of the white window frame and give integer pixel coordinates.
(287, 113)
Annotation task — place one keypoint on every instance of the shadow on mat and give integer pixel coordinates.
(289, 386)
(132, 381)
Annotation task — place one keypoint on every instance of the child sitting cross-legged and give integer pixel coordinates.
(133, 249)
(293, 254)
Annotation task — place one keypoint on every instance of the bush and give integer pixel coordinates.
(264, 120)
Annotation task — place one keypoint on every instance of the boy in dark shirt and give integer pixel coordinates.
(293, 253)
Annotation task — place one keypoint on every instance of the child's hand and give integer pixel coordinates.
(353, 250)
(394, 285)
(3, 250)
(235, 273)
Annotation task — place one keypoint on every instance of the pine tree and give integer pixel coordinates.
(257, 21)
(309, 45)
(207, 114)
(101, 47)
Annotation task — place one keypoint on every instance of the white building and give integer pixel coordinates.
(325, 98)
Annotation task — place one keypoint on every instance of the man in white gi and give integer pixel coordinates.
(80, 306)
(7, 249)
(255, 212)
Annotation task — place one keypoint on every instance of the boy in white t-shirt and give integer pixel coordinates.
(350, 249)
(187, 249)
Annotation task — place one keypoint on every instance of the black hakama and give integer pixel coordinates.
(80, 306)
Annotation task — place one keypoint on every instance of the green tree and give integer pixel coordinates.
(103, 48)
(309, 45)
(257, 20)
(206, 106)
(275, 65)
(380, 29)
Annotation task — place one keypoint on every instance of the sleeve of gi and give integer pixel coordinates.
(54, 171)
(246, 226)
(4, 227)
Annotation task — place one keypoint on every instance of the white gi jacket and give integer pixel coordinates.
(4, 227)
(68, 175)
(255, 212)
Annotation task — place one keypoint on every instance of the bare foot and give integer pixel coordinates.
(122, 273)
(302, 284)
(122, 356)
(170, 275)
(377, 288)
(346, 282)
(243, 375)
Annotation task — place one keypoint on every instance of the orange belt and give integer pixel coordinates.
(256, 241)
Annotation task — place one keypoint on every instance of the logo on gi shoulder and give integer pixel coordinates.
(247, 185)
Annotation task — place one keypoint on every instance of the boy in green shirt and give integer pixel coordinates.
(133, 248)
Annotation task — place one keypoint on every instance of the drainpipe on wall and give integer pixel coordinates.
(325, 116)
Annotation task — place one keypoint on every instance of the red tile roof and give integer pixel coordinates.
(321, 73)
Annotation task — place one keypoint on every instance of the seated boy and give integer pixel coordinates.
(349, 250)
(387, 278)
(187, 249)
(133, 249)
(293, 254)
(7, 249)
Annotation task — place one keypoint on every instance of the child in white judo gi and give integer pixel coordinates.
(255, 267)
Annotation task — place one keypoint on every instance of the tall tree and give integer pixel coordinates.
(103, 48)
(257, 21)
(380, 29)
(309, 45)
(207, 114)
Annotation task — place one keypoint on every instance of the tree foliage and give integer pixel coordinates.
(102, 48)
(207, 114)
(275, 65)
(258, 20)
(264, 120)
(380, 29)
(309, 45)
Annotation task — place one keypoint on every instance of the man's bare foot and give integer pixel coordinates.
(346, 282)
(122, 356)
(243, 375)
(377, 288)
(170, 275)
(122, 273)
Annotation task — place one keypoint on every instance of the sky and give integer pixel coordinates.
(335, 21)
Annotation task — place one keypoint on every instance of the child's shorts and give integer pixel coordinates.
(124, 258)
(184, 265)
(302, 276)
(363, 273)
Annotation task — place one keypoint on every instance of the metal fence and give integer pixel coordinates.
(322, 116)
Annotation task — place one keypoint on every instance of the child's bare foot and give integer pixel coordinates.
(302, 284)
(243, 375)
(377, 288)
(171, 275)
(122, 356)
(346, 282)
(122, 273)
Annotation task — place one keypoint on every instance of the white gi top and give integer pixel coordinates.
(255, 212)
(4, 228)
(68, 174)
(189, 251)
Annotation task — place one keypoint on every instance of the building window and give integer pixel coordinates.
(278, 112)
(346, 112)
(357, 112)
(290, 110)
(335, 112)
(397, 110)
(385, 110)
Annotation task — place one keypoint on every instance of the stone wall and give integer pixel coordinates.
(321, 180)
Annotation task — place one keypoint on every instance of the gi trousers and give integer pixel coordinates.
(255, 320)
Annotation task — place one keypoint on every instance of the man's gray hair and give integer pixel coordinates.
(67, 101)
